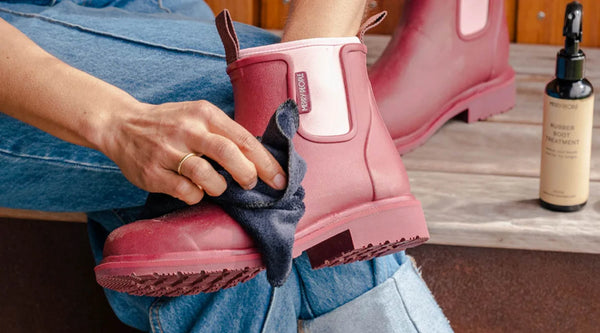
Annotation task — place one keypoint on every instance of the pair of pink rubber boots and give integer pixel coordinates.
(445, 58)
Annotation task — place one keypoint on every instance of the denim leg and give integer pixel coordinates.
(384, 295)
(253, 306)
(328, 288)
(41, 172)
(131, 310)
(155, 56)
(401, 303)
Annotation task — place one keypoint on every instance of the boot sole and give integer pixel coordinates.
(360, 233)
(477, 103)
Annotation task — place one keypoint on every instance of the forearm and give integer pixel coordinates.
(39, 89)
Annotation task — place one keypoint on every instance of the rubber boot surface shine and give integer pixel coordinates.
(431, 71)
(358, 200)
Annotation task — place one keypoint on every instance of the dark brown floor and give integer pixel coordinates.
(494, 290)
(47, 282)
(48, 285)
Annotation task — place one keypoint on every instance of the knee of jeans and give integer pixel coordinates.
(131, 310)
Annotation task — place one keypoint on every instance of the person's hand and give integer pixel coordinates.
(149, 142)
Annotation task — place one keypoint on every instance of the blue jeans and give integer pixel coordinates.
(168, 51)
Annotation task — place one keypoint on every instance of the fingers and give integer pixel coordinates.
(200, 172)
(181, 188)
(229, 156)
(267, 168)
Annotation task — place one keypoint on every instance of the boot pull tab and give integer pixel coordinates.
(228, 36)
(371, 22)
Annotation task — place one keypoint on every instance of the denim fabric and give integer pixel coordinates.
(402, 303)
(256, 306)
(158, 51)
(155, 56)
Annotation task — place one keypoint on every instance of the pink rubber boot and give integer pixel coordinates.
(358, 200)
(445, 58)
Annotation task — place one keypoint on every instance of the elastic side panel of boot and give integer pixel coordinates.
(501, 41)
(385, 166)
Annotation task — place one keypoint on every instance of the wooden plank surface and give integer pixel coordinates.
(274, 13)
(487, 148)
(22, 214)
(503, 212)
(245, 11)
(529, 106)
(478, 183)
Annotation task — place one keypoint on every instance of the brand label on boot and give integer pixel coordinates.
(302, 93)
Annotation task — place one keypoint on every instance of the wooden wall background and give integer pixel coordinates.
(529, 21)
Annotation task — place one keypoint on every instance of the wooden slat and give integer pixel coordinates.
(546, 28)
(245, 11)
(375, 44)
(503, 212)
(528, 109)
(273, 14)
(41, 216)
(487, 148)
(541, 59)
(510, 9)
(535, 66)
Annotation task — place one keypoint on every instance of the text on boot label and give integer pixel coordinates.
(302, 93)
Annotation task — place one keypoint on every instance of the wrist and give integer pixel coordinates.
(102, 131)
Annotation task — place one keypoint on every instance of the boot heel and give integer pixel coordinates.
(495, 100)
(374, 235)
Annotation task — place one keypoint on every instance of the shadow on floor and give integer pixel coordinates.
(47, 282)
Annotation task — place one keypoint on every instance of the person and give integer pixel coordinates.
(101, 99)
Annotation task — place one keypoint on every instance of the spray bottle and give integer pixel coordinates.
(568, 122)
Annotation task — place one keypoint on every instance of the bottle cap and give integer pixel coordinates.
(570, 61)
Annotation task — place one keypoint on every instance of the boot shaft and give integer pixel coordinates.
(310, 72)
(341, 134)
(440, 50)
(453, 27)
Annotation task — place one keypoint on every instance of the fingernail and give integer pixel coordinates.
(251, 186)
(279, 181)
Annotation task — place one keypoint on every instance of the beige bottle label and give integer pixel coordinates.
(566, 150)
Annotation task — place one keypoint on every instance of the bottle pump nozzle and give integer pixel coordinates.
(572, 27)
(570, 60)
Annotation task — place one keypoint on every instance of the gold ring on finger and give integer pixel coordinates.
(182, 160)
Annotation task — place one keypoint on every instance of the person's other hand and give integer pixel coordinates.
(149, 141)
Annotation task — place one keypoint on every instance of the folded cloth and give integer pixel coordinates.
(269, 216)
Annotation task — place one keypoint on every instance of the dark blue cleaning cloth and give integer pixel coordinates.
(269, 216)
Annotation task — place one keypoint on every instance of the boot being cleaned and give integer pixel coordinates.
(357, 201)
